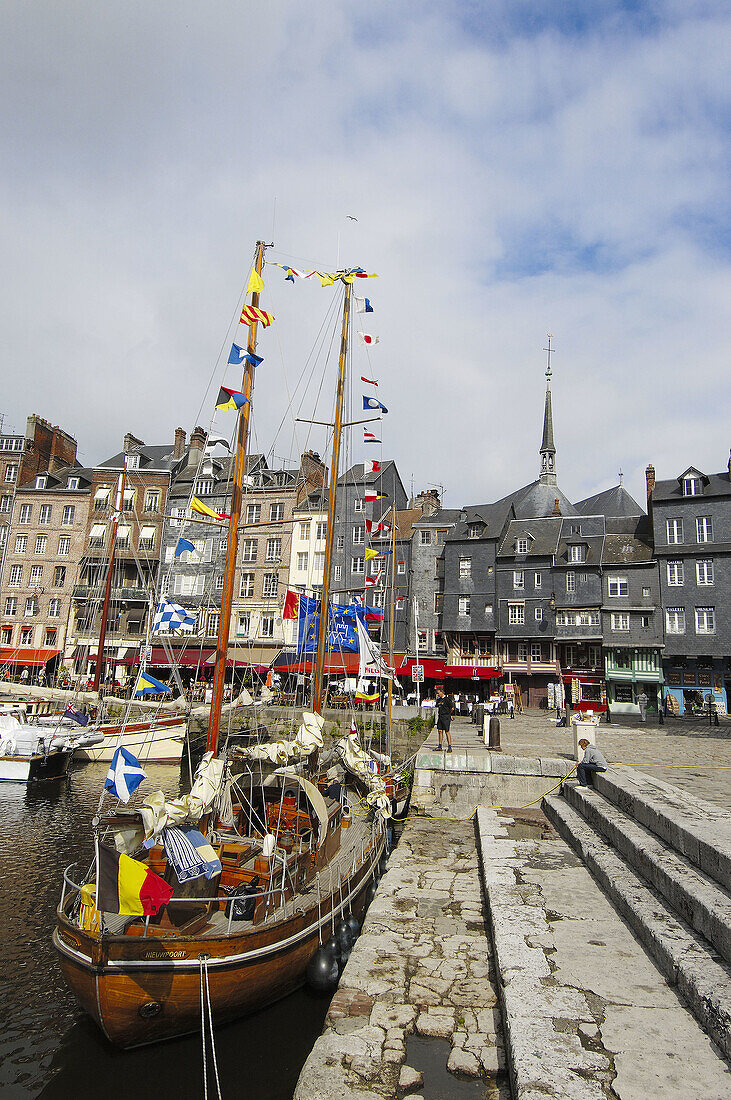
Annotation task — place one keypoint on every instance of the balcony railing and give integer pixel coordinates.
(121, 592)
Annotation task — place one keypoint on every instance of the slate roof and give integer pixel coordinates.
(611, 502)
(542, 535)
(718, 485)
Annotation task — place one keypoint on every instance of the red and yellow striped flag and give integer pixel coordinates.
(251, 314)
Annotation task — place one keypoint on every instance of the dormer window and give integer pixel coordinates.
(133, 462)
(73, 483)
(521, 546)
(692, 486)
(577, 553)
(474, 530)
(575, 528)
(41, 482)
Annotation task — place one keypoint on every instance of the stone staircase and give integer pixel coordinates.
(664, 860)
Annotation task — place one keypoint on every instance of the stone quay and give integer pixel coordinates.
(579, 947)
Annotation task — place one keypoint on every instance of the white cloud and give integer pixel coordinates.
(507, 182)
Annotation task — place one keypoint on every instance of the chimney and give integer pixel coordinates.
(313, 475)
(130, 442)
(650, 479)
(556, 509)
(197, 444)
(179, 448)
(429, 502)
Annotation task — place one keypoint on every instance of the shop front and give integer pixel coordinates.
(630, 672)
(585, 691)
(690, 684)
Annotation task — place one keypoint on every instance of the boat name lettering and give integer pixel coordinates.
(166, 954)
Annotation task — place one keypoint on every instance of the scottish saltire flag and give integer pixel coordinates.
(363, 305)
(171, 618)
(236, 356)
(369, 437)
(373, 403)
(366, 338)
(184, 546)
(255, 360)
(148, 685)
(76, 715)
(230, 399)
(251, 314)
(125, 774)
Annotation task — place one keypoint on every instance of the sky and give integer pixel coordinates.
(516, 168)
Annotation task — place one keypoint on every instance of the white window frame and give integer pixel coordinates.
(705, 620)
(425, 538)
(304, 529)
(464, 605)
(704, 528)
(246, 586)
(674, 531)
(358, 535)
(538, 614)
(243, 624)
(69, 514)
(270, 586)
(253, 513)
(273, 550)
(357, 565)
(21, 544)
(320, 531)
(570, 581)
(519, 578)
(675, 574)
(266, 626)
(538, 580)
(465, 567)
(359, 504)
(536, 651)
(303, 561)
(619, 621)
(577, 554)
(692, 486)
(40, 544)
(35, 579)
(521, 653)
(54, 608)
(617, 586)
(675, 620)
(64, 545)
(516, 614)
(401, 567)
(25, 515)
(276, 512)
(521, 546)
(15, 576)
(249, 550)
(704, 572)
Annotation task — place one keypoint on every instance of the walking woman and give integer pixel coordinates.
(444, 717)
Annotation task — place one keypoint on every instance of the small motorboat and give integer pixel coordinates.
(29, 753)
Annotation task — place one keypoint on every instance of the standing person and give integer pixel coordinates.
(592, 761)
(444, 717)
(24, 676)
(642, 704)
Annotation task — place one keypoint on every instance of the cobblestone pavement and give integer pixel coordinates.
(534, 734)
(422, 966)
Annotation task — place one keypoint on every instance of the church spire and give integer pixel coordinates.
(548, 449)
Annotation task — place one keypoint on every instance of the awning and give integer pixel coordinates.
(110, 659)
(582, 677)
(472, 672)
(257, 658)
(433, 667)
(189, 657)
(336, 664)
(35, 657)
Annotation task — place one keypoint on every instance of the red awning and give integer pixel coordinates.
(583, 677)
(336, 664)
(433, 667)
(35, 657)
(110, 660)
(190, 657)
(470, 672)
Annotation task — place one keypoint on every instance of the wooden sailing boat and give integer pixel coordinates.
(300, 861)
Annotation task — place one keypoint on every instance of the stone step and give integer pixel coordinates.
(695, 897)
(687, 961)
(698, 830)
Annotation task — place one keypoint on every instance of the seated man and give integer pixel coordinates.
(592, 761)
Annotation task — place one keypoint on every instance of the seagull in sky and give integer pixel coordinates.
(351, 218)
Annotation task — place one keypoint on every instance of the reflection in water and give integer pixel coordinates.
(48, 1047)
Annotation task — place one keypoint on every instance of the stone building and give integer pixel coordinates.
(691, 519)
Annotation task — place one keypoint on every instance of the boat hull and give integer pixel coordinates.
(34, 768)
(142, 991)
(160, 741)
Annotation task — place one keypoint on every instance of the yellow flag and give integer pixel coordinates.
(325, 279)
(256, 283)
(370, 554)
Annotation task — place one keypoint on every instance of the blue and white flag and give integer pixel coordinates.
(236, 356)
(124, 775)
(171, 618)
(363, 305)
(184, 545)
(254, 360)
(373, 403)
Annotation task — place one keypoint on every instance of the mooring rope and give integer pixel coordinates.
(207, 1022)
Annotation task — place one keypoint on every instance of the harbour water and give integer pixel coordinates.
(48, 1047)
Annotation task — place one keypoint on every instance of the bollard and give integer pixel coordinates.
(494, 734)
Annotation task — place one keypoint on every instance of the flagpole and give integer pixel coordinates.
(224, 623)
(391, 627)
(319, 670)
(119, 506)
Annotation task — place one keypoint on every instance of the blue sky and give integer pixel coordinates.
(516, 168)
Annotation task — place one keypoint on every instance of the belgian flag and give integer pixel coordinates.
(128, 887)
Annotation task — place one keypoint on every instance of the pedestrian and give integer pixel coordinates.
(41, 677)
(592, 761)
(444, 717)
(642, 704)
(24, 676)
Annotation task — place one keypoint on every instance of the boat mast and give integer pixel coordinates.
(224, 623)
(319, 671)
(391, 627)
(118, 506)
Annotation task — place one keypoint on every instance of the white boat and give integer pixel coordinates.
(29, 753)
